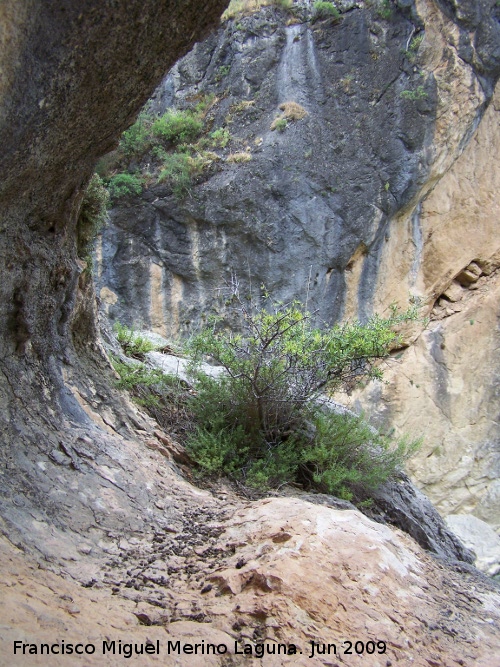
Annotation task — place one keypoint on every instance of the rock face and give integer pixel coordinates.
(384, 117)
(387, 187)
(73, 77)
(446, 384)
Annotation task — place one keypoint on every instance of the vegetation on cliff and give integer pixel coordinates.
(266, 420)
(172, 148)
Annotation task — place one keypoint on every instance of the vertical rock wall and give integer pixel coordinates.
(446, 386)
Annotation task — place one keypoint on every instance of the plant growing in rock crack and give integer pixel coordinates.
(418, 94)
(262, 421)
(220, 137)
(383, 8)
(280, 124)
(92, 216)
(291, 111)
(132, 343)
(413, 47)
(167, 148)
(124, 185)
(222, 72)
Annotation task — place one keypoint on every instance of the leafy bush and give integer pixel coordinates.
(349, 458)
(178, 170)
(177, 126)
(92, 215)
(413, 47)
(280, 124)
(221, 137)
(261, 422)
(137, 139)
(325, 10)
(124, 185)
(132, 343)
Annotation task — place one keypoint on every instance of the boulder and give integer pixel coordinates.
(479, 537)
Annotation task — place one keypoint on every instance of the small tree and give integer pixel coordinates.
(263, 412)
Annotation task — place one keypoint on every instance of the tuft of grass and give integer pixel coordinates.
(238, 8)
(413, 47)
(279, 124)
(220, 137)
(222, 72)
(291, 111)
(242, 106)
(243, 156)
(418, 94)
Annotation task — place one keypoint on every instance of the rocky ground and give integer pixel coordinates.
(278, 570)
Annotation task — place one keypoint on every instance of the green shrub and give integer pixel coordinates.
(220, 137)
(137, 139)
(92, 215)
(348, 458)
(124, 185)
(177, 127)
(178, 170)
(280, 124)
(413, 47)
(325, 10)
(132, 343)
(260, 422)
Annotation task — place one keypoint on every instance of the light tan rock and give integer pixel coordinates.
(466, 277)
(444, 388)
(454, 292)
(291, 573)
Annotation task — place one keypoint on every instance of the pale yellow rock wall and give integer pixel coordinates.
(446, 386)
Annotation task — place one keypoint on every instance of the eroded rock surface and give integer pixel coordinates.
(278, 571)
